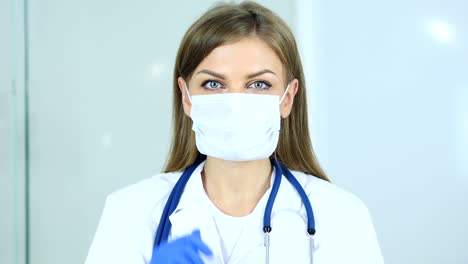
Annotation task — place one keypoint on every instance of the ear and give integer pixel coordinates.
(288, 100)
(185, 97)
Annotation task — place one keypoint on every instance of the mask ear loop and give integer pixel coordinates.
(282, 97)
(281, 100)
(188, 94)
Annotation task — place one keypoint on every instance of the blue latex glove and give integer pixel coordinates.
(182, 250)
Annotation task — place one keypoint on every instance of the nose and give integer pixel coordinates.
(237, 88)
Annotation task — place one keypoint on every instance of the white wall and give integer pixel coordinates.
(390, 113)
(101, 90)
(12, 155)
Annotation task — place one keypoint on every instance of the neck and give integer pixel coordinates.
(235, 187)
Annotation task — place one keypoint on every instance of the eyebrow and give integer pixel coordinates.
(250, 76)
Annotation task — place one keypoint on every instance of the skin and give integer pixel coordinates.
(236, 187)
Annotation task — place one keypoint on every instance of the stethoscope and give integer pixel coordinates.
(162, 233)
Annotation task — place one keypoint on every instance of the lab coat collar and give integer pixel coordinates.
(191, 214)
(253, 236)
(194, 192)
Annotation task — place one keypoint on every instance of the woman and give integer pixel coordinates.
(241, 174)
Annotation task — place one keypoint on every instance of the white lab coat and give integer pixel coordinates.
(345, 233)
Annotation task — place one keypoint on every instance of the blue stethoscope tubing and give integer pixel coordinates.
(164, 227)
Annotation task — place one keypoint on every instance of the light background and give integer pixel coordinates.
(388, 99)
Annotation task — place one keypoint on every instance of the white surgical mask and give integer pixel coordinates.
(236, 126)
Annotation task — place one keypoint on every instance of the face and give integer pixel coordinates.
(246, 66)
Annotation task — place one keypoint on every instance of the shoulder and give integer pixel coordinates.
(148, 188)
(129, 220)
(144, 197)
(340, 215)
(337, 210)
(333, 197)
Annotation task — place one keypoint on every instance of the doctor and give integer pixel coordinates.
(242, 184)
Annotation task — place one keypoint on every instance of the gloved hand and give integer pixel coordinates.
(182, 250)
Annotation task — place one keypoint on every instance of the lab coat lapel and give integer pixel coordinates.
(289, 240)
(191, 214)
(186, 221)
(251, 244)
(251, 239)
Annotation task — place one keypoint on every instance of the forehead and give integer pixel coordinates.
(245, 56)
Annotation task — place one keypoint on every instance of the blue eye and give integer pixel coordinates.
(212, 85)
(260, 85)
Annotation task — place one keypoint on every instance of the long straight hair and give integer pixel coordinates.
(227, 23)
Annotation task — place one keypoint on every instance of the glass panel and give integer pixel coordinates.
(12, 163)
(100, 97)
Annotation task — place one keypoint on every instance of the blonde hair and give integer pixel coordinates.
(228, 23)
